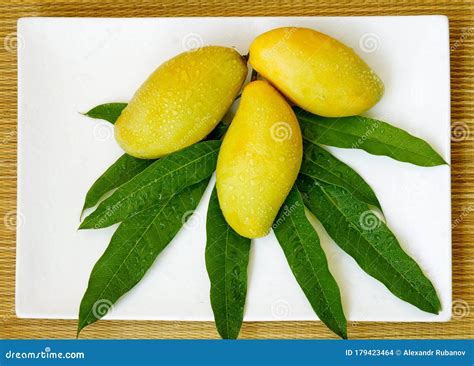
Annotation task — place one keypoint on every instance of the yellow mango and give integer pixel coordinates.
(258, 161)
(181, 102)
(316, 72)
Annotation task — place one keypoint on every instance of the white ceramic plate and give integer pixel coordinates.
(67, 66)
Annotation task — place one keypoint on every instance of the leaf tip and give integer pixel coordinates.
(83, 225)
(80, 327)
(437, 308)
(434, 310)
(88, 223)
(436, 160)
(341, 330)
(228, 336)
(84, 208)
(440, 162)
(87, 114)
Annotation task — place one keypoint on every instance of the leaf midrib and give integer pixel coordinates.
(225, 282)
(378, 252)
(431, 160)
(108, 179)
(356, 188)
(158, 179)
(129, 253)
(314, 274)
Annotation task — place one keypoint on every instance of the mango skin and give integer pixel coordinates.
(181, 102)
(258, 161)
(316, 72)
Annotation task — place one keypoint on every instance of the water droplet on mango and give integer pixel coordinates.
(316, 71)
(263, 184)
(156, 123)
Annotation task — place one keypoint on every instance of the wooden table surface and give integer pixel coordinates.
(460, 15)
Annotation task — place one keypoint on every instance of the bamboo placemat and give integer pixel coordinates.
(460, 15)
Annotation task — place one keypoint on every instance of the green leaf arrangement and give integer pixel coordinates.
(151, 201)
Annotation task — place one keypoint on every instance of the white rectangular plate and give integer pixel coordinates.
(67, 66)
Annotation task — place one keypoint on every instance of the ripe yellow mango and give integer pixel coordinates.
(316, 72)
(181, 102)
(258, 161)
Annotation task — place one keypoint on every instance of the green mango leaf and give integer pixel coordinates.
(318, 163)
(120, 172)
(227, 258)
(160, 180)
(360, 233)
(109, 111)
(374, 136)
(126, 167)
(307, 260)
(133, 249)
